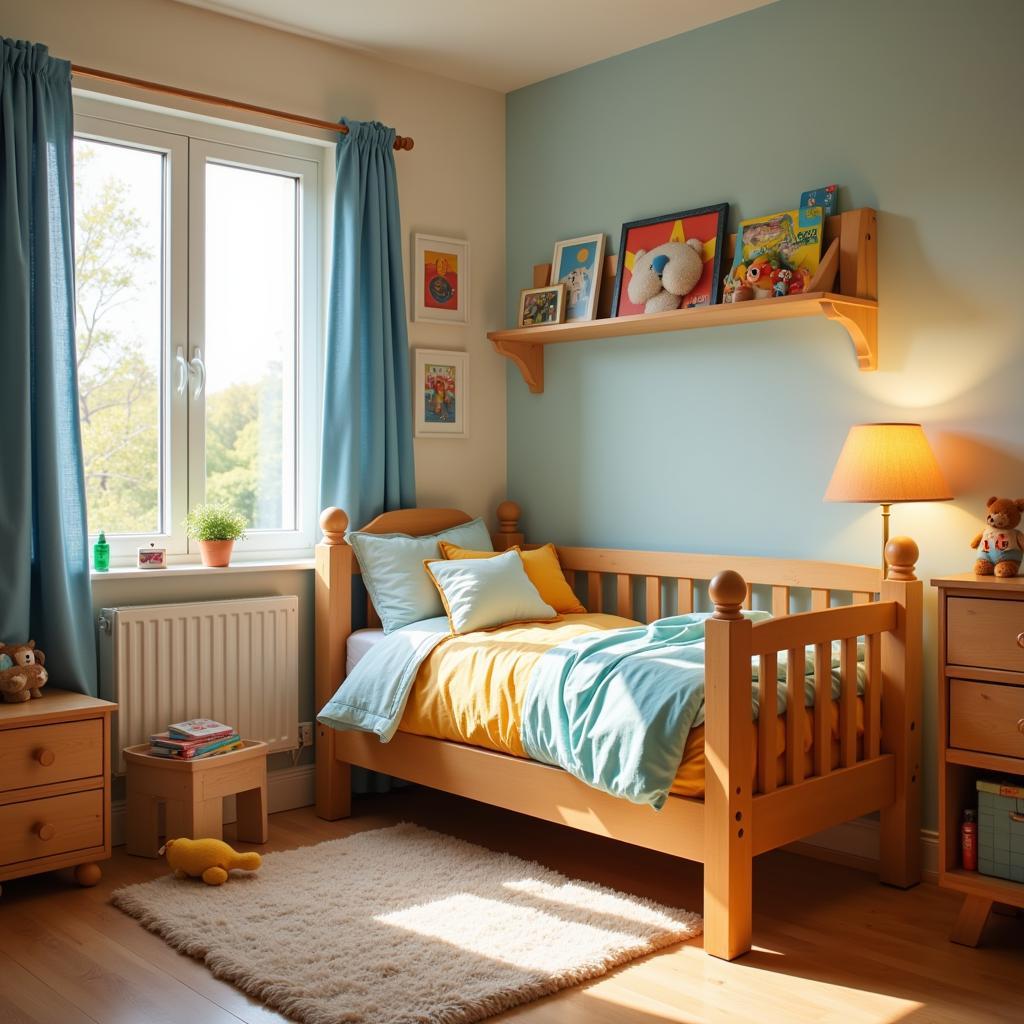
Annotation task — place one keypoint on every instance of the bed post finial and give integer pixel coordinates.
(334, 523)
(901, 557)
(728, 591)
(508, 535)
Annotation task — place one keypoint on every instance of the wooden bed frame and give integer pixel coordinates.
(735, 821)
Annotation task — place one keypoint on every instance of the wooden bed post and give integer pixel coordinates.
(508, 535)
(900, 859)
(332, 599)
(728, 857)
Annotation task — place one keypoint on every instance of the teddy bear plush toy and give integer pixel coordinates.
(208, 859)
(1000, 545)
(663, 276)
(22, 675)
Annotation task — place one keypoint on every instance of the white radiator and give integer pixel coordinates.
(234, 661)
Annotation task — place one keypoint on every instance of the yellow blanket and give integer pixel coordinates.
(471, 688)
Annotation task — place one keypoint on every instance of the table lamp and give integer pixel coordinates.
(883, 463)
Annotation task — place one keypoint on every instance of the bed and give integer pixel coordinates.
(862, 753)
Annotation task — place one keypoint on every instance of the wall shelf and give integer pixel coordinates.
(848, 266)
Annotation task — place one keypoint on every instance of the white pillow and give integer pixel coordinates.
(481, 593)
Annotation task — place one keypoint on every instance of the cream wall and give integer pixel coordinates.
(452, 183)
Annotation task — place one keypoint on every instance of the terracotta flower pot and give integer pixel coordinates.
(216, 553)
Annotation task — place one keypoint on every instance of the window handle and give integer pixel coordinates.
(182, 370)
(198, 367)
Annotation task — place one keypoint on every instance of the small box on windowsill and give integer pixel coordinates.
(152, 558)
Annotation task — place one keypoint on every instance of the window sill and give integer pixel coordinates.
(129, 572)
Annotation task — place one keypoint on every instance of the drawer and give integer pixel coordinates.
(51, 753)
(986, 717)
(985, 633)
(52, 825)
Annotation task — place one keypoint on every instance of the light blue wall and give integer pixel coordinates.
(724, 439)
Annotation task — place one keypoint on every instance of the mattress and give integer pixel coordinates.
(470, 690)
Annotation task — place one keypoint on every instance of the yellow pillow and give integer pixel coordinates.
(541, 565)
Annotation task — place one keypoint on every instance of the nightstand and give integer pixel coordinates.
(981, 724)
(55, 785)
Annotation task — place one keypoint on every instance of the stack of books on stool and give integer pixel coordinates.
(194, 739)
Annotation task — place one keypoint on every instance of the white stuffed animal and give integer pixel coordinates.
(665, 275)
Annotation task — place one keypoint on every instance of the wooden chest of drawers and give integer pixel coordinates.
(55, 785)
(981, 724)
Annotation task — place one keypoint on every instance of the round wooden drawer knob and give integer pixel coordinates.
(45, 831)
(1020, 639)
(45, 757)
(1020, 725)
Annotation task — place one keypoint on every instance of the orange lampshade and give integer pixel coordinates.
(887, 462)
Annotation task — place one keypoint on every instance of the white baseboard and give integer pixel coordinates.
(286, 790)
(857, 844)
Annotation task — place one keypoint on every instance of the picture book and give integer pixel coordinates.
(776, 255)
(199, 729)
(827, 197)
(161, 741)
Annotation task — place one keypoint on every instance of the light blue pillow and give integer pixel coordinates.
(392, 565)
(481, 593)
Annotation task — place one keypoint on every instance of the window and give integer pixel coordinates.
(197, 255)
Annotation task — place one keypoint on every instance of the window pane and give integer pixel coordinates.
(119, 214)
(251, 292)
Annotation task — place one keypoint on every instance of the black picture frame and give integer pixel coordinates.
(721, 209)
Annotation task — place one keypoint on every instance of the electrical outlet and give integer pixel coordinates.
(305, 734)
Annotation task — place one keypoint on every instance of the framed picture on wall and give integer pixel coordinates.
(440, 279)
(656, 274)
(441, 393)
(578, 263)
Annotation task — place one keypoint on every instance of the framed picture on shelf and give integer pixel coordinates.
(539, 306)
(671, 262)
(440, 393)
(440, 279)
(578, 263)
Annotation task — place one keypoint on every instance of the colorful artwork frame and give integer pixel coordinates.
(440, 279)
(441, 393)
(708, 223)
(542, 307)
(578, 263)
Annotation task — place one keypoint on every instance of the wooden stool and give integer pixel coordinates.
(193, 793)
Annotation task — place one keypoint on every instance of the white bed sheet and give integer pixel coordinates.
(359, 644)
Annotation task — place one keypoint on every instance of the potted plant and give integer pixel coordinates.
(216, 527)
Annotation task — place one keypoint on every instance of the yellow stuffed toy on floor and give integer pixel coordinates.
(209, 859)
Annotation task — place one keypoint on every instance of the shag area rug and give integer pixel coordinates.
(402, 925)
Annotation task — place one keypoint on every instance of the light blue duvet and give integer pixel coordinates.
(612, 708)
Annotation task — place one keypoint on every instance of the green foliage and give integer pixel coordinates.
(215, 521)
(119, 403)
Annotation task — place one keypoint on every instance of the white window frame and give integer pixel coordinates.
(187, 143)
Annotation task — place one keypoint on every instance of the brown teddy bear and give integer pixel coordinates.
(22, 675)
(1000, 545)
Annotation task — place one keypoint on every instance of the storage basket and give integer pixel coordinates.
(1001, 830)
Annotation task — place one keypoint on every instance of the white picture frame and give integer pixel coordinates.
(584, 257)
(440, 297)
(441, 411)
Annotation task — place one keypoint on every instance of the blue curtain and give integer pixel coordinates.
(44, 568)
(366, 464)
(366, 455)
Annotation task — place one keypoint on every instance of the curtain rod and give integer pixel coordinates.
(401, 141)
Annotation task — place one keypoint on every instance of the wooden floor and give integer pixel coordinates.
(831, 944)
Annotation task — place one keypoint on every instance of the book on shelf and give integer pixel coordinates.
(199, 729)
(167, 752)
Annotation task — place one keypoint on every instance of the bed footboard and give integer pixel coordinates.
(747, 811)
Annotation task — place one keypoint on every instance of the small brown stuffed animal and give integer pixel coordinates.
(1000, 545)
(24, 676)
